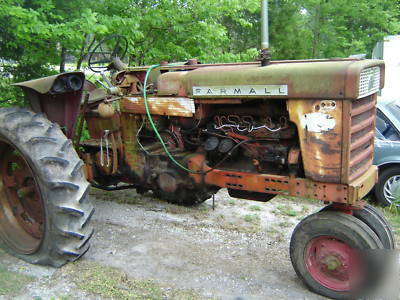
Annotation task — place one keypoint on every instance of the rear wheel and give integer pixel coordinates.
(44, 205)
(325, 252)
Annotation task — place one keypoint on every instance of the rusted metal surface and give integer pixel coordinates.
(219, 101)
(294, 156)
(88, 167)
(360, 187)
(98, 125)
(325, 79)
(60, 107)
(187, 66)
(129, 128)
(320, 133)
(44, 85)
(283, 185)
(362, 134)
(171, 83)
(22, 210)
(167, 106)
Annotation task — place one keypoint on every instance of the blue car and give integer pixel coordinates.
(387, 152)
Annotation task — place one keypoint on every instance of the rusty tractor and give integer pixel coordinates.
(186, 130)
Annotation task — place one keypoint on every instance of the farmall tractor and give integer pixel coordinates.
(186, 130)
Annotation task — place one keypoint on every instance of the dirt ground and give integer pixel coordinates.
(144, 248)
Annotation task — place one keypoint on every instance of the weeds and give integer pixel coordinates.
(255, 219)
(111, 283)
(255, 208)
(392, 213)
(285, 210)
(11, 283)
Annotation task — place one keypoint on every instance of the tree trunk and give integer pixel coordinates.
(63, 57)
(316, 32)
(86, 46)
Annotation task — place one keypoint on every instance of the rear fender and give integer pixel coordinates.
(58, 97)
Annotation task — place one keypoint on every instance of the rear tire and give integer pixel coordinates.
(321, 251)
(45, 210)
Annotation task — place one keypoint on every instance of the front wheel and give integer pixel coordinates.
(327, 252)
(375, 220)
(387, 190)
(44, 205)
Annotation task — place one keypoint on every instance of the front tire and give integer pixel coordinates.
(324, 250)
(45, 210)
(375, 220)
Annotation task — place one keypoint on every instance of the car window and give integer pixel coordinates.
(385, 127)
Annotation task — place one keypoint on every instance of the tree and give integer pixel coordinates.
(39, 37)
(343, 27)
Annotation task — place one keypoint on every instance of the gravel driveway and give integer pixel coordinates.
(147, 249)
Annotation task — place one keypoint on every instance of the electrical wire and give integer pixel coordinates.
(162, 141)
(154, 126)
(137, 136)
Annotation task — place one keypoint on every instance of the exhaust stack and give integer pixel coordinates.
(265, 55)
(264, 25)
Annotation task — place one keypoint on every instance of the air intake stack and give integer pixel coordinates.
(265, 55)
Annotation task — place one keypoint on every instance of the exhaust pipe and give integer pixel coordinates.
(264, 25)
(265, 55)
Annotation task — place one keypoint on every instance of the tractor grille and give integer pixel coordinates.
(369, 82)
(362, 133)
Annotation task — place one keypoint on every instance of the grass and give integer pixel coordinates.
(248, 228)
(180, 210)
(285, 210)
(231, 202)
(255, 208)
(285, 224)
(393, 216)
(11, 283)
(253, 218)
(111, 283)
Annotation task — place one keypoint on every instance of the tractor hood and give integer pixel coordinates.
(328, 79)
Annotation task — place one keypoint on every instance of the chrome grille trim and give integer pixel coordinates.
(369, 81)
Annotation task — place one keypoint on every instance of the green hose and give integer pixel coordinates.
(154, 126)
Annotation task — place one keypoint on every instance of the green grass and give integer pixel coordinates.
(255, 219)
(231, 202)
(255, 208)
(11, 283)
(393, 216)
(285, 210)
(111, 283)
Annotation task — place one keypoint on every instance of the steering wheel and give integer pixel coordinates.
(108, 48)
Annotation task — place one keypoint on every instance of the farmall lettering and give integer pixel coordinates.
(246, 90)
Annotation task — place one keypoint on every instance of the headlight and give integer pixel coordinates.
(67, 83)
(74, 82)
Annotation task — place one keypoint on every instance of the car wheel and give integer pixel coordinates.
(387, 190)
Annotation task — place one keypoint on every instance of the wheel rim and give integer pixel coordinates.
(331, 263)
(391, 190)
(21, 206)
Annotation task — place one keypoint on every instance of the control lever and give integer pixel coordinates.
(113, 90)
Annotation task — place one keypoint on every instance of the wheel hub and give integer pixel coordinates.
(329, 261)
(21, 206)
(391, 190)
